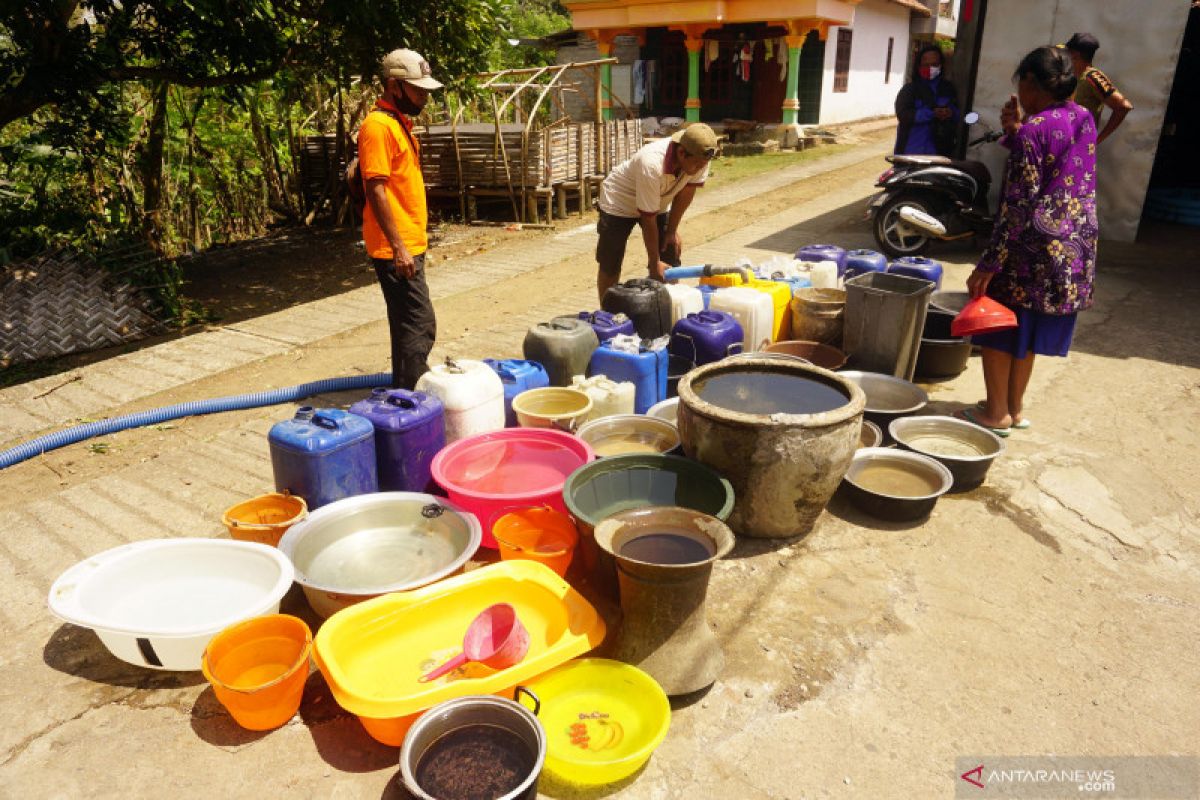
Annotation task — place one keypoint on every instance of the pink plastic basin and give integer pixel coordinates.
(495, 472)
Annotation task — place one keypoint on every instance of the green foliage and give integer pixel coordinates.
(80, 142)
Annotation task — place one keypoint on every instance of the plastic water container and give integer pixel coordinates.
(517, 376)
(646, 370)
(563, 346)
(824, 275)
(706, 337)
(918, 267)
(753, 310)
(860, 261)
(781, 299)
(885, 314)
(609, 397)
(323, 455)
(410, 428)
(824, 252)
(684, 300)
(607, 325)
(472, 395)
(793, 282)
(647, 302)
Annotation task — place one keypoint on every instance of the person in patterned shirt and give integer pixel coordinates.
(1041, 261)
(1095, 90)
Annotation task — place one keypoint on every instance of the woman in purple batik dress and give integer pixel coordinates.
(1041, 261)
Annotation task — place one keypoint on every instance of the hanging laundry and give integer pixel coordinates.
(639, 81)
(712, 51)
(651, 70)
(781, 51)
(767, 51)
(746, 56)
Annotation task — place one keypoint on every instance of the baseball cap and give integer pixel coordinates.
(697, 140)
(1084, 43)
(408, 65)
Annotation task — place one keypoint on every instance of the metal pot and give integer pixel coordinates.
(965, 449)
(896, 507)
(371, 544)
(463, 712)
(888, 397)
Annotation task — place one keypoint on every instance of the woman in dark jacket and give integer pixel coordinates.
(927, 108)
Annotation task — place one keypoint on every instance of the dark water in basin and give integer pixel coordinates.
(666, 548)
(770, 393)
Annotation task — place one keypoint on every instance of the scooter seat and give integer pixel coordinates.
(903, 159)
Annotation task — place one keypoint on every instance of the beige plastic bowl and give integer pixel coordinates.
(552, 407)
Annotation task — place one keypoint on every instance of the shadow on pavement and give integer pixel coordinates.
(79, 652)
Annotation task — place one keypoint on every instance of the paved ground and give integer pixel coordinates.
(1052, 611)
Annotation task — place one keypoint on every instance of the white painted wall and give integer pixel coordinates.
(867, 95)
(1139, 46)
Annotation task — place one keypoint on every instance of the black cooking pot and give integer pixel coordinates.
(941, 355)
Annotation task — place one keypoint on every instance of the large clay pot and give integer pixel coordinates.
(664, 629)
(783, 467)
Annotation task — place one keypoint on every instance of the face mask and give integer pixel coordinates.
(406, 105)
(929, 73)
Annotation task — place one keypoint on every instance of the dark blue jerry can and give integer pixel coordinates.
(860, 261)
(646, 370)
(323, 455)
(607, 325)
(918, 267)
(706, 336)
(410, 429)
(824, 252)
(517, 376)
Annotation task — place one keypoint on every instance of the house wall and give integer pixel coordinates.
(580, 103)
(867, 94)
(1142, 72)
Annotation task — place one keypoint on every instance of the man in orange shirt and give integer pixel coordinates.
(395, 217)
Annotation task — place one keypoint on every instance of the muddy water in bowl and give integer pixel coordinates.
(896, 481)
(668, 548)
(763, 392)
(938, 445)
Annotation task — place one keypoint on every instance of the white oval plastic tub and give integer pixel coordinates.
(157, 603)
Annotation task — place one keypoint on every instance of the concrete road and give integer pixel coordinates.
(1054, 610)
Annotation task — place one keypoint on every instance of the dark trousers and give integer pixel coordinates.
(614, 234)
(410, 318)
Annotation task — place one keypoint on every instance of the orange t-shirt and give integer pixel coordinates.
(387, 151)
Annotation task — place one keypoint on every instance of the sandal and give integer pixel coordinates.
(1023, 425)
(968, 415)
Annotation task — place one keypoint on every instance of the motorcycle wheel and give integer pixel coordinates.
(895, 239)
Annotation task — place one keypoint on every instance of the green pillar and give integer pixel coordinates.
(791, 102)
(692, 107)
(606, 94)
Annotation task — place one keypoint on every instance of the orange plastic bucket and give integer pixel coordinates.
(258, 667)
(265, 518)
(537, 534)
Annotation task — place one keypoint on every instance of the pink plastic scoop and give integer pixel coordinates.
(496, 638)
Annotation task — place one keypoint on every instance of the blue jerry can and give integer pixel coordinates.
(517, 376)
(323, 455)
(646, 370)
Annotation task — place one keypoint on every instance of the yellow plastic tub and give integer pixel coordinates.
(373, 653)
(603, 719)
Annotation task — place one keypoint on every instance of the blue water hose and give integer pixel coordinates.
(236, 402)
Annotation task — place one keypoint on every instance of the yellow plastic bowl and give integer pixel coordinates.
(603, 719)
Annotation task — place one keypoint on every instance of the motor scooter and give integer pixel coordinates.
(928, 198)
